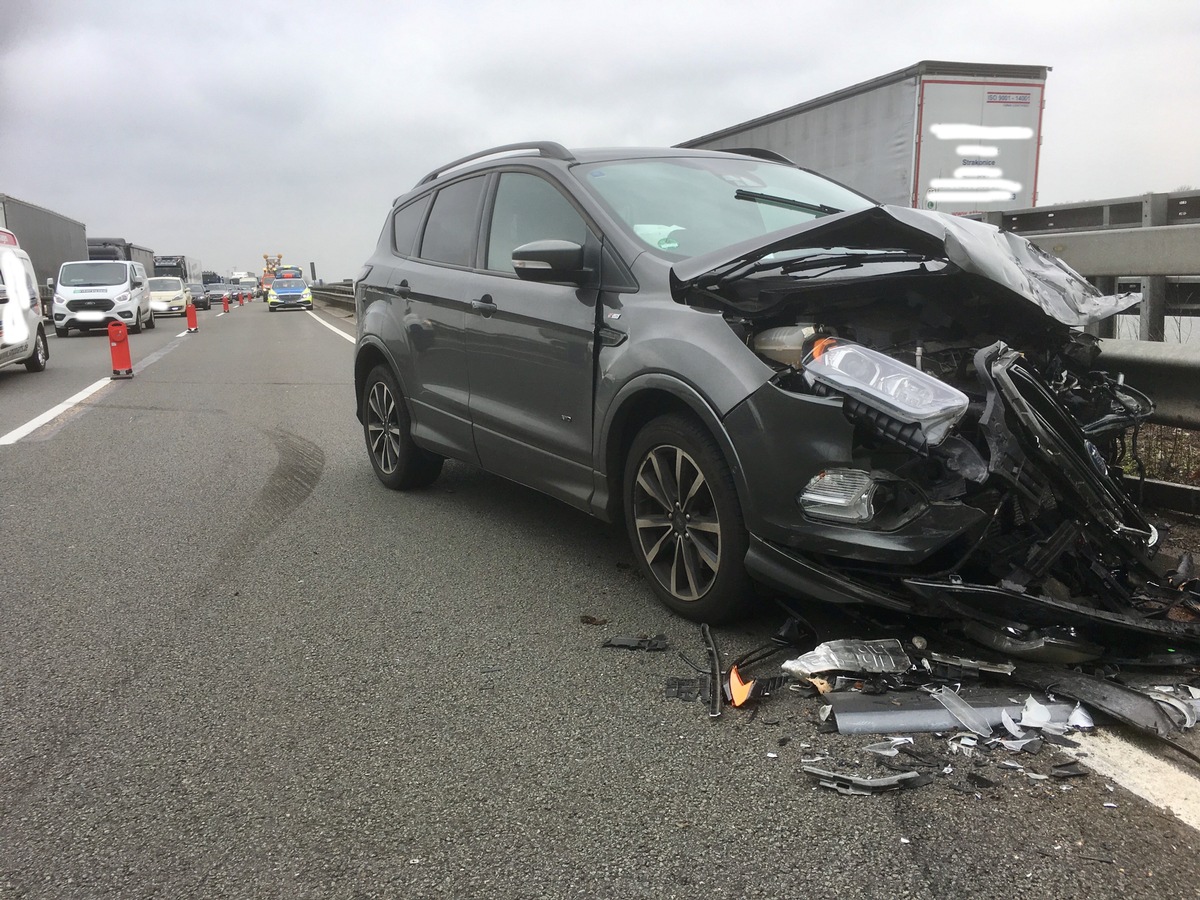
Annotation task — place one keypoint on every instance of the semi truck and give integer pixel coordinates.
(179, 267)
(961, 138)
(49, 238)
(119, 248)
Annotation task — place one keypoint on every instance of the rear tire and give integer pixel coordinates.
(685, 523)
(398, 462)
(41, 353)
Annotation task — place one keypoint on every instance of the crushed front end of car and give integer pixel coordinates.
(940, 439)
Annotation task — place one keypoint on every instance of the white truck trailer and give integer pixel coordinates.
(961, 138)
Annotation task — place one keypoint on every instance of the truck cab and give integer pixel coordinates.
(22, 334)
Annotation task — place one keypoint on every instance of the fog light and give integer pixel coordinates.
(842, 495)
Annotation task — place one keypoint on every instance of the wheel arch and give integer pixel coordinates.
(371, 353)
(638, 403)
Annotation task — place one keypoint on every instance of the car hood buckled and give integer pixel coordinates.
(1010, 262)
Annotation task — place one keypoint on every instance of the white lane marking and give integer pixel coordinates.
(49, 415)
(181, 334)
(351, 338)
(1152, 778)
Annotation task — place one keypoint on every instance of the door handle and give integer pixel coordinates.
(484, 306)
(401, 289)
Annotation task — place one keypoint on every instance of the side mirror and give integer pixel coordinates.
(550, 260)
(138, 282)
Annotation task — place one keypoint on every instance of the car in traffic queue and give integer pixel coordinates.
(169, 296)
(216, 292)
(92, 293)
(772, 379)
(199, 296)
(289, 290)
(22, 334)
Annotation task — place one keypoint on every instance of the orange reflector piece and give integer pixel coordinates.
(739, 691)
(821, 346)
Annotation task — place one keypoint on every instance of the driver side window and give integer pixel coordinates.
(529, 208)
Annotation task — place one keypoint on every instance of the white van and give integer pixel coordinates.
(22, 335)
(92, 293)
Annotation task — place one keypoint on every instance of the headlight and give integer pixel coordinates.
(886, 385)
(307, 295)
(177, 297)
(122, 297)
(60, 300)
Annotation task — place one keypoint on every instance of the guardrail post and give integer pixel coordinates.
(1153, 313)
(1105, 328)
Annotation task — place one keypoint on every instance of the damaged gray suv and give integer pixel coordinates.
(769, 378)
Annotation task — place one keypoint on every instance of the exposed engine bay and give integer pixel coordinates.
(965, 395)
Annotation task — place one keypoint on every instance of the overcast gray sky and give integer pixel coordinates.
(231, 128)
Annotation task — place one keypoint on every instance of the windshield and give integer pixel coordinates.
(288, 283)
(688, 206)
(196, 288)
(93, 274)
(166, 284)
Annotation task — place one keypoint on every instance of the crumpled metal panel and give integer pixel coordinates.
(1005, 259)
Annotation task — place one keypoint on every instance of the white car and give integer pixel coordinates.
(22, 335)
(169, 296)
(92, 293)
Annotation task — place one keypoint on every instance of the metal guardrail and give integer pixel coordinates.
(1167, 373)
(339, 293)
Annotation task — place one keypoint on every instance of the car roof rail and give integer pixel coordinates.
(548, 149)
(760, 153)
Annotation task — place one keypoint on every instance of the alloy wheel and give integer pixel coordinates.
(678, 528)
(383, 428)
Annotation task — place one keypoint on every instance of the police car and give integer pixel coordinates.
(22, 335)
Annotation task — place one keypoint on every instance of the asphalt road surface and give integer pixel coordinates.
(233, 665)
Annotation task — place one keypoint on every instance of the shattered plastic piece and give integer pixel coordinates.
(977, 780)
(1110, 806)
(973, 666)
(825, 711)
(874, 657)
(682, 688)
(855, 785)
(1009, 764)
(962, 711)
(1034, 715)
(772, 755)
(1034, 776)
(1018, 745)
(641, 642)
(905, 841)
(888, 747)
(1070, 770)
(592, 620)
(715, 690)
(1009, 725)
(916, 711)
(1185, 710)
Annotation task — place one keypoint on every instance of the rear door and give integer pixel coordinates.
(429, 293)
(531, 347)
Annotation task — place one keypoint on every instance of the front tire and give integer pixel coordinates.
(61, 332)
(150, 322)
(398, 462)
(685, 523)
(41, 353)
(136, 327)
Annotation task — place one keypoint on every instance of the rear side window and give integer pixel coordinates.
(450, 232)
(529, 208)
(405, 224)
